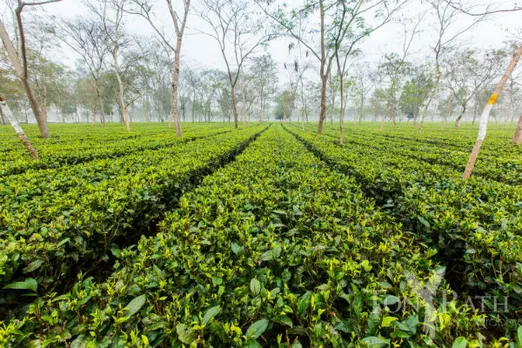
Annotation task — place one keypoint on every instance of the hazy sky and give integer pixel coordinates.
(201, 51)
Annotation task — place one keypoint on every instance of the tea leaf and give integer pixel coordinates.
(210, 314)
(256, 329)
(135, 305)
(27, 284)
(255, 286)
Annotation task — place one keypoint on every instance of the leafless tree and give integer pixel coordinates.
(238, 32)
(144, 9)
(447, 18)
(89, 40)
(263, 75)
(396, 66)
(342, 25)
(20, 62)
(110, 13)
(467, 75)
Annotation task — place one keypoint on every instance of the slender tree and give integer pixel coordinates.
(89, 40)
(263, 75)
(341, 24)
(517, 137)
(238, 32)
(447, 17)
(20, 61)
(5, 112)
(467, 74)
(485, 114)
(111, 14)
(144, 8)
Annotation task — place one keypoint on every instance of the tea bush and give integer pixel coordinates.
(475, 225)
(74, 148)
(50, 223)
(274, 249)
(260, 237)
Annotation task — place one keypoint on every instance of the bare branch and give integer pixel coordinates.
(487, 11)
(38, 3)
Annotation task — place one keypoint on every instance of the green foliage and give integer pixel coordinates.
(280, 247)
(472, 225)
(285, 103)
(414, 94)
(54, 220)
(28, 284)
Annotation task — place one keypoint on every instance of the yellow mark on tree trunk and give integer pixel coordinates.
(493, 99)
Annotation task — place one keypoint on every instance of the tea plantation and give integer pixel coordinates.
(267, 236)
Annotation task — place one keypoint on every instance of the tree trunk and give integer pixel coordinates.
(262, 104)
(431, 95)
(147, 115)
(323, 72)
(124, 112)
(44, 104)
(4, 121)
(174, 111)
(322, 112)
(192, 108)
(475, 110)
(184, 110)
(6, 112)
(93, 114)
(517, 138)
(99, 100)
(390, 109)
(341, 109)
(40, 119)
(234, 106)
(244, 109)
(115, 53)
(457, 122)
(102, 114)
(449, 109)
(485, 114)
(123, 109)
(22, 71)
